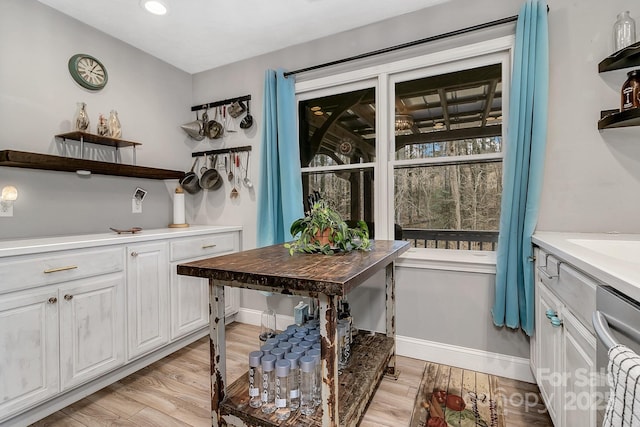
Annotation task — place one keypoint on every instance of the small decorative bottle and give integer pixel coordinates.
(283, 372)
(268, 384)
(630, 91)
(102, 128)
(307, 384)
(317, 385)
(294, 384)
(82, 118)
(624, 31)
(115, 130)
(254, 379)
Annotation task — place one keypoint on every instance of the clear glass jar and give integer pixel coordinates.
(254, 379)
(267, 325)
(294, 384)
(317, 389)
(283, 372)
(278, 353)
(266, 349)
(268, 384)
(82, 118)
(115, 129)
(307, 384)
(624, 31)
(342, 344)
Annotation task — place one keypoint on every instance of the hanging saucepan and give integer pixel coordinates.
(194, 129)
(248, 119)
(214, 128)
(190, 182)
(211, 179)
(236, 109)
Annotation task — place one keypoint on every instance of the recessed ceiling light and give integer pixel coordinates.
(318, 113)
(154, 6)
(316, 108)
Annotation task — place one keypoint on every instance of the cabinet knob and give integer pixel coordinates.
(550, 313)
(556, 322)
(134, 254)
(53, 300)
(68, 297)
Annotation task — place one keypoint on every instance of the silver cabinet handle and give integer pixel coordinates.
(542, 271)
(208, 246)
(68, 297)
(53, 300)
(55, 270)
(134, 254)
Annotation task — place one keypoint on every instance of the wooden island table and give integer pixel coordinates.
(327, 278)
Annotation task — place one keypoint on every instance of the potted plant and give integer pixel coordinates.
(323, 230)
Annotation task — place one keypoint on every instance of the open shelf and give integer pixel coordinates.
(370, 356)
(23, 159)
(619, 119)
(624, 58)
(97, 139)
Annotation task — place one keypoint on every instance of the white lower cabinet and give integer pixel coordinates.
(29, 349)
(91, 328)
(73, 321)
(564, 349)
(147, 298)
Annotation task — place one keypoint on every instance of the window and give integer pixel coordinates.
(415, 146)
(448, 159)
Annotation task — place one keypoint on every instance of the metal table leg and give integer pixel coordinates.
(390, 309)
(217, 349)
(330, 384)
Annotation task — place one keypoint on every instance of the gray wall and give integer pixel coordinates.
(38, 100)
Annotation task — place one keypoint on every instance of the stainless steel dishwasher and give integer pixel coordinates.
(616, 321)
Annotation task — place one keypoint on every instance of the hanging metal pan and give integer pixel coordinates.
(194, 129)
(248, 119)
(214, 128)
(190, 182)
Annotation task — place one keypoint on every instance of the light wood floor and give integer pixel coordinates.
(175, 392)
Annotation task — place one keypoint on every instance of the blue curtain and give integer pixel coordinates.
(280, 183)
(523, 168)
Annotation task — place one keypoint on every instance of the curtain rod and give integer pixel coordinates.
(409, 44)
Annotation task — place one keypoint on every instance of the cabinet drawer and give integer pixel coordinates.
(28, 271)
(203, 246)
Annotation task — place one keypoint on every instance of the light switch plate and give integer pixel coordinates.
(136, 206)
(7, 211)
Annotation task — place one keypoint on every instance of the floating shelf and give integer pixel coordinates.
(97, 139)
(619, 119)
(23, 159)
(624, 58)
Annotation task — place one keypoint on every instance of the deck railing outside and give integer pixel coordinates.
(479, 240)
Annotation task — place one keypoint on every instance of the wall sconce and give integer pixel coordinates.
(9, 195)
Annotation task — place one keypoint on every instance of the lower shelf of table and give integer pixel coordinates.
(358, 382)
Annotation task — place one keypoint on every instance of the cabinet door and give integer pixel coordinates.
(91, 328)
(28, 349)
(579, 360)
(549, 347)
(147, 298)
(189, 303)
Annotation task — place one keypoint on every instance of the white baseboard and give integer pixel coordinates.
(513, 367)
(252, 317)
(482, 361)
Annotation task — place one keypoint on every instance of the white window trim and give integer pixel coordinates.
(382, 78)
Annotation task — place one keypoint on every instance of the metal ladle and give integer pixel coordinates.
(246, 180)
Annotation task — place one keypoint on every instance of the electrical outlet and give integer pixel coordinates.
(136, 206)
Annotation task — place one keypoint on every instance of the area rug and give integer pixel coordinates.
(454, 397)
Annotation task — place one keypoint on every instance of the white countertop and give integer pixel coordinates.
(613, 259)
(59, 243)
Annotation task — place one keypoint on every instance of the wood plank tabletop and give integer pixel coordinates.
(272, 268)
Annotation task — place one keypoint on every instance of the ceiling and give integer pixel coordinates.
(198, 35)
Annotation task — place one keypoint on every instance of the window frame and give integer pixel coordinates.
(383, 78)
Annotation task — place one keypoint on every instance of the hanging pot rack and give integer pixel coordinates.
(220, 103)
(221, 151)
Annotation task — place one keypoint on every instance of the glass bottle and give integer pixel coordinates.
(254, 379)
(82, 118)
(278, 353)
(630, 91)
(102, 128)
(266, 349)
(307, 380)
(294, 384)
(342, 344)
(283, 372)
(115, 130)
(624, 31)
(317, 385)
(268, 384)
(267, 325)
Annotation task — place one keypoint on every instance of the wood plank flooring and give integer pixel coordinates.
(175, 392)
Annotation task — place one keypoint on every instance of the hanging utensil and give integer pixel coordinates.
(248, 119)
(190, 182)
(247, 181)
(234, 190)
(236, 109)
(194, 129)
(211, 179)
(230, 174)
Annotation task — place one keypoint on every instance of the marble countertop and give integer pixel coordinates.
(612, 259)
(58, 243)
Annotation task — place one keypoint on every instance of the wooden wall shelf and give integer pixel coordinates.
(23, 159)
(624, 58)
(97, 139)
(619, 119)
